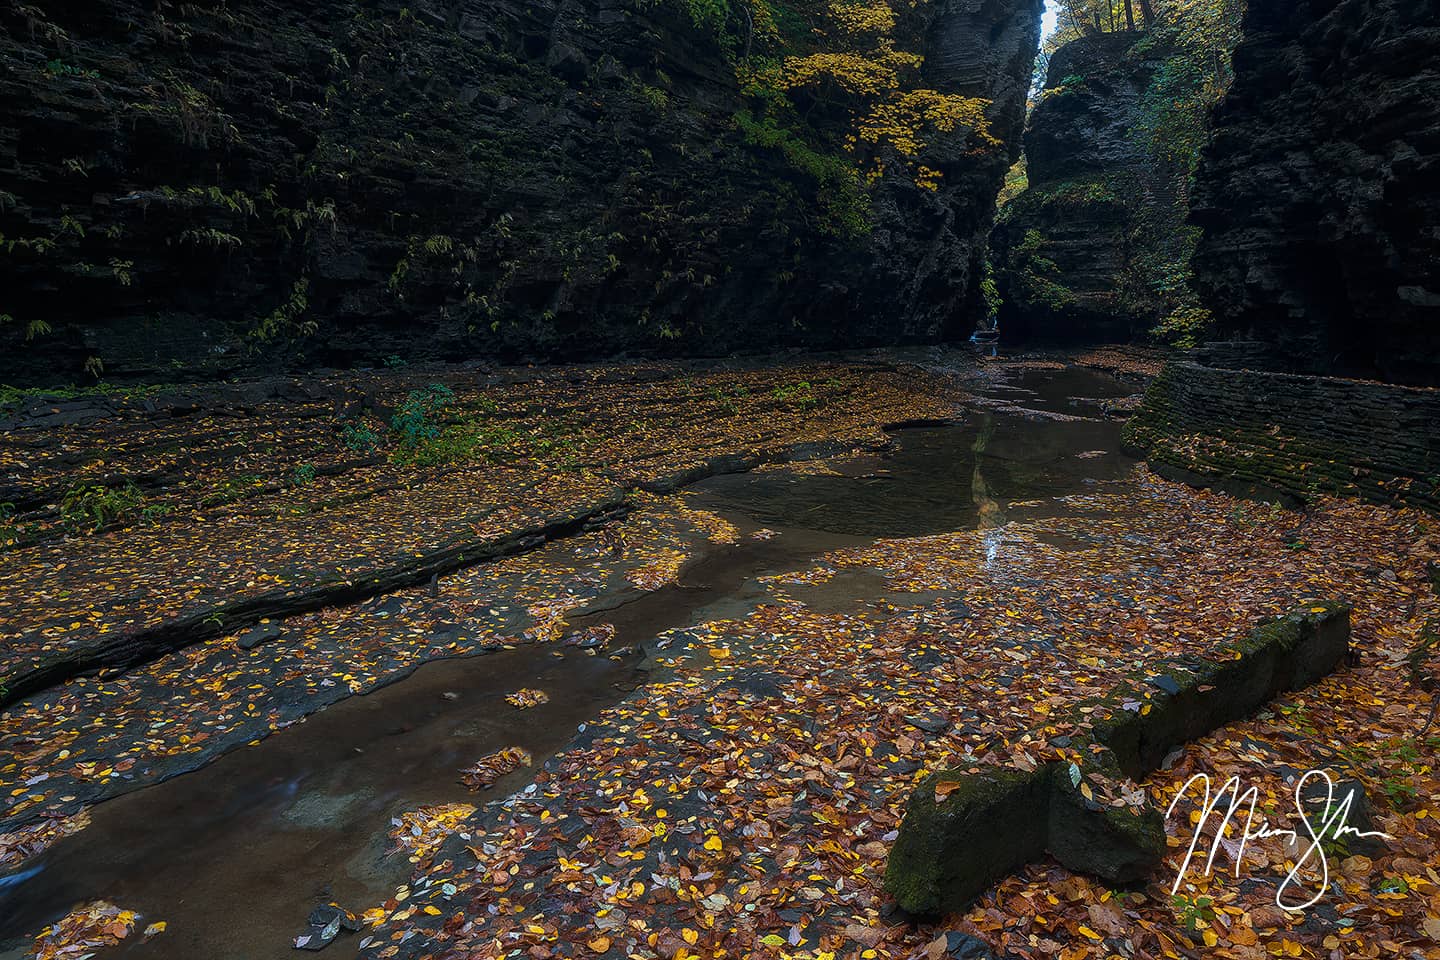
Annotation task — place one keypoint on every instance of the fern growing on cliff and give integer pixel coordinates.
(286, 319)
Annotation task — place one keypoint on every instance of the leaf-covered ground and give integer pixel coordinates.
(93, 738)
(746, 807)
(133, 521)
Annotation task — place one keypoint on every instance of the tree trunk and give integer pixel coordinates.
(1147, 12)
(1129, 15)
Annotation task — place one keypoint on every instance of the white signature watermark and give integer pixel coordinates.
(1333, 824)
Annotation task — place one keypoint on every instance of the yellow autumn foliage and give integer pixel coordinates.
(900, 120)
(859, 74)
(862, 18)
(862, 69)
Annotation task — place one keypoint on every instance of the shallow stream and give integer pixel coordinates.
(234, 855)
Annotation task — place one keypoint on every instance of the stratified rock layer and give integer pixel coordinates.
(1318, 193)
(1065, 249)
(1291, 437)
(206, 189)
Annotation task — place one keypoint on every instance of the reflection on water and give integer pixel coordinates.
(938, 479)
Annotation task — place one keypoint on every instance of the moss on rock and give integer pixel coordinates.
(964, 830)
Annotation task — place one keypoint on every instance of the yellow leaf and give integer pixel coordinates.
(691, 936)
(432, 910)
(1087, 932)
(713, 843)
(1209, 937)
(599, 944)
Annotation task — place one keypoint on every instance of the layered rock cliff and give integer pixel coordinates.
(1096, 249)
(1318, 195)
(208, 189)
(1061, 248)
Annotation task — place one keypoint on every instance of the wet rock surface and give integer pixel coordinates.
(325, 923)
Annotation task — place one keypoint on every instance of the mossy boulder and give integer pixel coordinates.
(1119, 844)
(950, 850)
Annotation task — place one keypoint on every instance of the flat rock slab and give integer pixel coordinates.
(260, 507)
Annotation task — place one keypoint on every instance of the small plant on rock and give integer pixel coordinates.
(9, 529)
(1194, 915)
(798, 396)
(234, 488)
(416, 421)
(359, 438)
(94, 506)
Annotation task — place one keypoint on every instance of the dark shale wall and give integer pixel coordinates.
(212, 188)
(1318, 193)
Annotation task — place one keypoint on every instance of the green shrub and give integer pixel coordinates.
(1035, 274)
(797, 396)
(990, 293)
(415, 422)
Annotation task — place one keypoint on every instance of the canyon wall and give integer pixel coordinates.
(1318, 193)
(212, 189)
(1062, 248)
(1096, 249)
(1292, 437)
